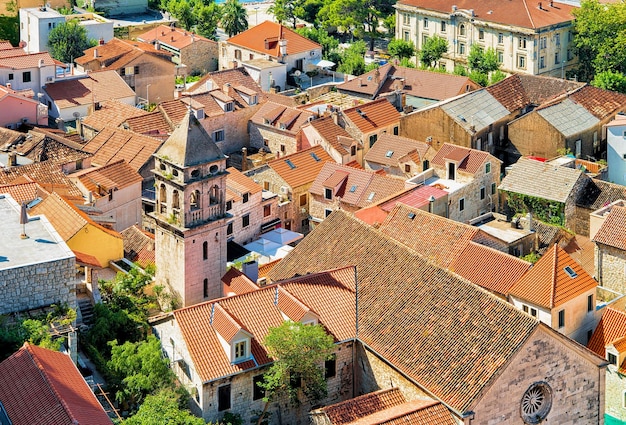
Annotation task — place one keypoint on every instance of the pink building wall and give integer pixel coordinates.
(13, 108)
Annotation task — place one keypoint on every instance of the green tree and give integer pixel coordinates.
(390, 24)
(234, 17)
(479, 78)
(496, 77)
(401, 49)
(608, 80)
(160, 409)
(432, 50)
(352, 61)
(298, 352)
(329, 44)
(283, 11)
(140, 369)
(68, 41)
(483, 61)
(346, 15)
(307, 10)
(208, 19)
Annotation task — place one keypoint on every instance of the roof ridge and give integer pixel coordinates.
(554, 272)
(530, 18)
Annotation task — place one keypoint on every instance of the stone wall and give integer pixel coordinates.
(235, 128)
(434, 123)
(156, 72)
(614, 393)
(200, 56)
(278, 142)
(610, 267)
(37, 285)
(571, 211)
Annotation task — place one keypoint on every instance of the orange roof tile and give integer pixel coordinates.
(470, 160)
(350, 410)
(116, 53)
(612, 327)
(113, 176)
(239, 183)
(373, 215)
(22, 192)
(306, 167)
(548, 284)
(388, 149)
(263, 38)
(290, 306)
(376, 114)
(86, 259)
(112, 114)
(38, 383)
(281, 118)
(265, 269)
(172, 36)
(612, 232)
(237, 283)
(152, 124)
(113, 144)
(18, 59)
(599, 102)
(334, 134)
(97, 86)
(47, 174)
(521, 13)
(138, 245)
(421, 414)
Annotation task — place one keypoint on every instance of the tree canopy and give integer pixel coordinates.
(68, 41)
(234, 17)
(163, 408)
(608, 80)
(432, 50)
(352, 60)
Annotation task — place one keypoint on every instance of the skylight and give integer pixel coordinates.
(389, 154)
(353, 188)
(315, 157)
(570, 272)
(411, 215)
(291, 164)
(369, 198)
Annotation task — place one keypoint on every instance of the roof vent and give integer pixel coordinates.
(371, 197)
(570, 272)
(389, 154)
(361, 113)
(315, 157)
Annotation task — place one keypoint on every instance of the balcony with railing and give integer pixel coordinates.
(196, 217)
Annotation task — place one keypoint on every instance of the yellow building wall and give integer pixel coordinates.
(95, 241)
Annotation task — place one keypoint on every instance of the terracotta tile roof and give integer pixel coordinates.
(487, 267)
(369, 83)
(306, 167)
(113, 176)
(44, 386)
(541, 180)
(599, 102)
(436, 238)
(376, 114)
(240, 183)
(111, 114)
(388, 149)
(237, 283)
(5, 45)
(470, 160)
(520, 13)
(334, 134)
(421, 414)
(598, 194)
(116, 53)
(172, 36)
(281, 99)
(354, 186)
(282, 118)
(97, 86)
(462, 321)
(152, 124)
(240, 82)
(416, 198)
(548, 284)
(22, 192)
(263, 38)
(113, 144)
(350, 410)
(329, 294)
(373, 215)
(9, 137)
(47, 174)
(138, 245)
(265, 269)
(18, 59)
(520, 90)
(43, 145)
(613, 229)
(612, 327)
(86, 259)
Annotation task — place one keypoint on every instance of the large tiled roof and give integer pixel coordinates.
(236, 77)
(388, 149)
(541, 180)
(520, 13)
(280, 117)
(469, 160)
(98, 86)
(613, 229)
(152, 124)
(355, 408)
(369, 83)
(306, 166)
(415, 198)
(18, 59)
(611, 328)
(333, 133)
(263, 38)
(115, 175)
(487, 267)
(354, 186)
(598, 194)
(172, 36)
(116, 53)
(329, 294)
(44, 145)
(240, 183)
(377, 114)
(599, 102)
(111, 114)
(138, 245)
(548, 285)
(48, 174)
(237, 283)
(478, 109)
(447, 318)
(22, 192)
(113, 144)
(41, 386)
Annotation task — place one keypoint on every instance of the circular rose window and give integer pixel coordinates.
(536, 403)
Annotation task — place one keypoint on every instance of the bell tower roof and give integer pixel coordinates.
(190, 145)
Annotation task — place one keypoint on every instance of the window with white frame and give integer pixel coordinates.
(521, 61)
(443, 26)
(406, 19)
(500, 55)
(557, 58)
(328, 193)
(542, 62)
(425, 23)
(462, 30)
(461, 48)
(240, 350)
(500, 38)
(406, 35)
(481, 34)
(557, 39)
(521, 43)
(543, 42)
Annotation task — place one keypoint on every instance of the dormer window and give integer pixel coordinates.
(253, 100)
(228, 107)
(241, 351)
(612, 358)
(328, 193)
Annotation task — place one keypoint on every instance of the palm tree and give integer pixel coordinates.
(234, 17)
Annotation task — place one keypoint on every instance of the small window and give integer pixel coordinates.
(407, 168)
(389, 154)
(26, 77)
(328, 193)
(266, 185)
(352, 150)
(406, 36)
(521, 43)
(500, 55)
(461, 204)
(373, 139)
(110, 194)
(237, 54)
(406, 19)
(557, 39)
(303, 199)
(245, 220)
(561, 318)
(352, 188)
(533, 312)
(488, 167)
(525, 308)
(10, 77)
(267, 210)
(590, 303)
(612, 358)
(229, 205)
(282, 148)
(327, 212)
(229, 229)
(521, 61)
(330, 367)
(245, 197)
(493, 188)
(218, 136)
(223, 397)
(570, 272)
(461, 48)
(206, 288)
(500, 38)
(542, 62)
(257, 392)
(205, 250)
(228, 107)
(371, 197)
(396, 130)
(443, 26)
(462, 30)
(481, 34)
(425, 22)
(241, 350)
(557, 58)
(482, 193)
(425, 165)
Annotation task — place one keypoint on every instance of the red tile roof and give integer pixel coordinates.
(599, 102)
(172, 36)
(377, 114)
(306, 166)
(86, 259)
(388, 149)
(329, 294)
(239, 183)
(613, 231)
(334, 134)
(470, 160)
(22, 192)
(98, 86)
(41, 386)
(113, 176)
(373, 215)
(282, 118)
(112, 114)
(263, 38)
(266, 268)
(416, 198)
(364, 405)
(153, 124)
(138, 245)
(521, 13)
(48, 174)
(237, 283)
(116, 53)
(548, 285)
(18, 59)
(611, 328)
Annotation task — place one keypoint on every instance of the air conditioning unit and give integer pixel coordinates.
(284, 189)
(49, 79)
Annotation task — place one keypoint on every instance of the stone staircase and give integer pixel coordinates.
(86, 310)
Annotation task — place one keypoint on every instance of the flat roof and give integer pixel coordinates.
(503, 231)
(47, 12)
(42, 245)
(446, 185)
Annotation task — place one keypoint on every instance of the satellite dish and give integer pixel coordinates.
(297, 73)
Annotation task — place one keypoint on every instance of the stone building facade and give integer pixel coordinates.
(610, 267)
(277, 141)
(200, 56)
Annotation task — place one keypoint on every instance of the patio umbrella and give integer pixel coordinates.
(23, 220)
(323, 63)
(264, 247)
(282, 236)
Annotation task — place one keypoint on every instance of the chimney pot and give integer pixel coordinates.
(539, 6)
(95, 53)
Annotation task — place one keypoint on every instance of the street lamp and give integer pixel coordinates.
(256, 15)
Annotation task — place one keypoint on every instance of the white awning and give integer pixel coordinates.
(323, 63)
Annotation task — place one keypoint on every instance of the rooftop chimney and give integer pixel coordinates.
(539, 6)
(9, 86)
(95, 53)
(41, 63)
(12, 159)
(251, 270)
(282, 47)
(101, 41)
(226, 89)
(157, 45)
(244, 159)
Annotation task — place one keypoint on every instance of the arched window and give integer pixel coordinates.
(462, 30)
(194, 200)
(214, 195)
(205, 250)
(175, 200)
(162, 194)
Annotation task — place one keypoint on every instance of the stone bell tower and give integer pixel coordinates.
(190, 238)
